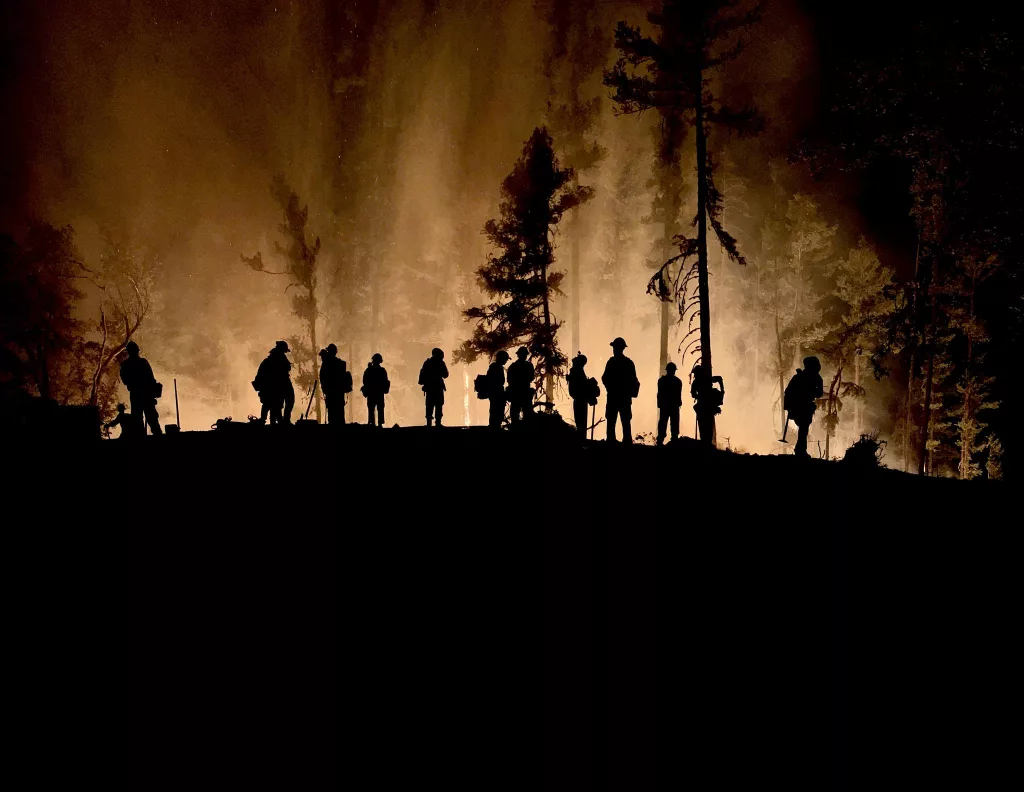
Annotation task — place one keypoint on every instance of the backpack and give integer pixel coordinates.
(593, 391)
(793, 392)
(345, 380)
(480, 386)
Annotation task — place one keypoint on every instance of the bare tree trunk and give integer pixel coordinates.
(663, 355)
(549, 381)
(856, 404)
(99, 361)
(782, 375)
(798, 347)
(967, 433)
(757, 326)
(908, 414)
(923, 463)
(702, 250)
(316, 367)
(574, 252)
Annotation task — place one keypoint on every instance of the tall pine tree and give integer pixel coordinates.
(670, 72)
(520, 275)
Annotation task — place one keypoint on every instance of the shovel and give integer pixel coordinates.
(784, 430)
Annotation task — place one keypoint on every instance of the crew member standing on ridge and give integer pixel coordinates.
(376, 385)
(707, 402)
(520, 387)
(622, 387)
(274, 385)
(800, 400)
(670, 398)
(433, 373)
(335, 382)
(143, 390)
(496, 390)
(583, 391)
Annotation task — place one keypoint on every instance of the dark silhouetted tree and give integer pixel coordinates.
(941, 101)
(39, 287)
(794, 241)
(854, 314)
(300, 259)
(520, 275)
(670, 73)
(124, 277)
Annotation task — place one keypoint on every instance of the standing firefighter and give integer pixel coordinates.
(707, 402)
(583, 391)
(375, 386)
(143, 389)
(496, 389)
(622, 386)
(335, 382)
(520, 386)
(670, 399)
(433, 373)
(799, 400)
(274, 384)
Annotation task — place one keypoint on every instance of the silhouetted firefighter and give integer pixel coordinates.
(799, 400)
(375, 386)
(496, 389)
(670, 399)
(433, 373)
(129, 426)
(143, 389)
(335, 382)
(520, 386)
(583, 391)
(622, 386)
(707, 402)
(274, 384)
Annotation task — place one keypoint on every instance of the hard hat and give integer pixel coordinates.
(522, 352)
(503, 355)
(377, 357)
(131, 347)
(618, 343)
(332, 349)
(282, 346)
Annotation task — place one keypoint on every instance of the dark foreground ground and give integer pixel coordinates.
(301, 609)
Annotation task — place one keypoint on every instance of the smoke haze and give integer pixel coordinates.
(160, 126)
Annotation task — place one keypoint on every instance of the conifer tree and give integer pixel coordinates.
(520, 275)
(794, 243)
(670, 73)
(854, 315)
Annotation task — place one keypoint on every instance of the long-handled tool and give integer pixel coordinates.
(593, 419)
(785, 428)
(311, 394)
(177, 414)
